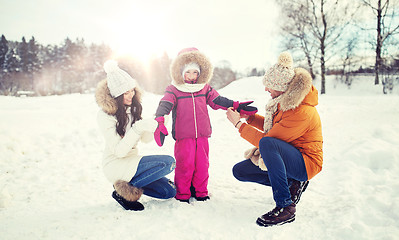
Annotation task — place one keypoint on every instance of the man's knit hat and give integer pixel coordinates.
(118, 81)
(280, 75)
(189, 66)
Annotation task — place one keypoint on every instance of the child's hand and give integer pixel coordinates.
(161, 131)
(244, 108)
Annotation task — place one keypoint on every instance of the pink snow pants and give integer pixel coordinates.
(192, 164)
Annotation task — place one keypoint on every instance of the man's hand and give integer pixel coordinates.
(233, 116)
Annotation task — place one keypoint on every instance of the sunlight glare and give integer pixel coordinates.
(139, 35)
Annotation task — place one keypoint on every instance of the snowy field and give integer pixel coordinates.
(52, 185)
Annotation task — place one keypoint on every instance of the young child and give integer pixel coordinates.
(187, 98)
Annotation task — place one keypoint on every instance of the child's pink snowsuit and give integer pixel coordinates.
(191, 129)
(191, 125)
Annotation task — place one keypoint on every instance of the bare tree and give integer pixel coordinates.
(329, 22)
(296, 27)
(386, 15)
(348, 61)
(320, 21)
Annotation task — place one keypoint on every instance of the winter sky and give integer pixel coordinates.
(242, 32)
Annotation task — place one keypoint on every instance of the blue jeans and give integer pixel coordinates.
(283, 161)
(150, 176)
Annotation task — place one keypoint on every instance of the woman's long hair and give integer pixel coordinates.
(121, 115)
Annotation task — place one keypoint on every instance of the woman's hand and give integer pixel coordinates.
(143, 125)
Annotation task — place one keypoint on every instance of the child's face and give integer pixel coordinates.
(191, 75)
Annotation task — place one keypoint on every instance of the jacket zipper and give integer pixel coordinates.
(195, 117)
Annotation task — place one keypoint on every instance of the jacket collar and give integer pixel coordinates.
(298, 89)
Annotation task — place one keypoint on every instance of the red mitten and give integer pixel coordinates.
(243, 108)
(161, 131)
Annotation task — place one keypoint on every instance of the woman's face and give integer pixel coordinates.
(191, 75)
(128, 96)
(273, 93)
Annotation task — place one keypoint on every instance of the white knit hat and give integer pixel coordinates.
(280, 75)
(190, 66)
(118, 81)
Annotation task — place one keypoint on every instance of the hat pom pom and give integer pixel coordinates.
(110, 66)
(285, 59)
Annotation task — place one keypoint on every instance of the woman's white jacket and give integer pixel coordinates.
(121, 156)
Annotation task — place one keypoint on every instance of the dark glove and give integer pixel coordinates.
(161, 131)
(243, 108)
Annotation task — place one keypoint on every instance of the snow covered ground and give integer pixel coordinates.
(52, 185)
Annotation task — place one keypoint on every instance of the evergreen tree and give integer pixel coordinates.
(254, 72)
(66, 66)
(97, 55)
(79, 65)
(22, 52)
(45, 85)
(33, 62)
(9, 83)
(159, 76)
(222, 77)
(23, 79)
(3, 52)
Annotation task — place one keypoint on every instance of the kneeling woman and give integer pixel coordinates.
(121, 123)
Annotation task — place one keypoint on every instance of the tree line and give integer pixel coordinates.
(29, 67)
(327, 37)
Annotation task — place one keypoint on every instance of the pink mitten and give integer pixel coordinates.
(243, 108)
(161, 131)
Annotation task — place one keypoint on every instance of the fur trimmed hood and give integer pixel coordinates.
(178, 63)
(297, 91)
(104, 99)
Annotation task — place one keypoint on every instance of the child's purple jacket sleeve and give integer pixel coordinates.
(215, 101)
(166, 104)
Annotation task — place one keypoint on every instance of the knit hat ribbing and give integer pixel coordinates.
(118, 81)
(280, 75)
(189, 66)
